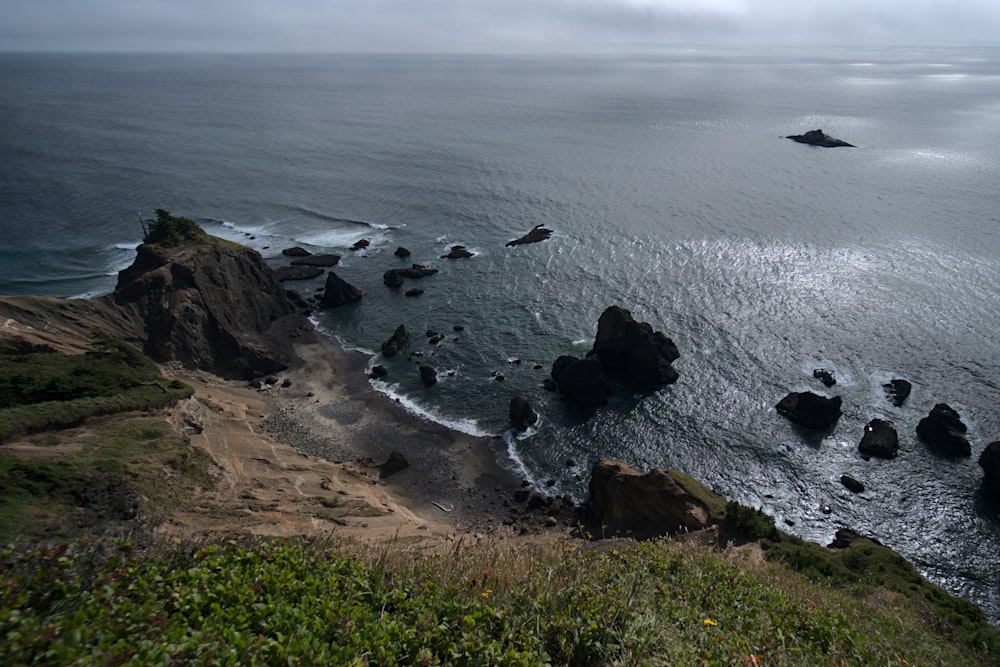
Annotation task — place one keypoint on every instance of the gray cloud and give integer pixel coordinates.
(480, 25)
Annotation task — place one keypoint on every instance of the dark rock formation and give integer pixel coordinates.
(209, 306)
(942, 430)
(393, 464)
(395, 342)
(633, 350)
(819, 138)
(338, 292)
(394, 277)
(402, 252)
(880, 439)
(537, 233)
(324, 261)
(581, 380)
(897, 391)
(852, 484)
(286, 273)
(845, 537)
(825, 376)
(428, 375)
(415, 291)
(457, 252)
(627, 502)
(379, 371)
(360, 244)
(295, 252)
(810, 410)
(990, 462)
(521, 414)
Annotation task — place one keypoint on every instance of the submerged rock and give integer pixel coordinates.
(880, 439)
(852, 484)
(457, 252)
(819, 138)
(942, 429)
(394, 277)
(825, 376)
(810, 410)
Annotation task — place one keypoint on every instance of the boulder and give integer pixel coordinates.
(402, 252)
(379, 371)
(627, 502)
(415, 291)
(852, 484)
(810, 410)
(360, 244)
(521, 414)
(324, 261)
(581, 380)
(537, 233)
(395, 342)
(880, 439)
(942, 429)
(990, 462)
(633, 350)
(286, 273)
(457, 252)
(819, 138)
(825, 376)
(428, 375)
(338, 292)
(897, 391)
(393, 464)
(295, 252)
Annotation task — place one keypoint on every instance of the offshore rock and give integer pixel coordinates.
(896, 391)
(990, 462)
(627, 502)
(521, 414)
(457, 252)
(942, 429)
(360, 245)
(825, 376)
(428, 375)
(395, 342)
(537, 233)
(295, 252)
(401, 252)
(286, 273)
(338, 292)
(394, 277)
(852, 485)
(880, 439)
(633, 350)
(324, 261)
(810, 410)
(581, 380)
(819, 138)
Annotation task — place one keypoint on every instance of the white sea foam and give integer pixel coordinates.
(467, 426)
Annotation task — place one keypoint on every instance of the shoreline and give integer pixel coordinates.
(330, 411)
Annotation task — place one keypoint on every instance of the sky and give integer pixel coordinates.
(484, 26)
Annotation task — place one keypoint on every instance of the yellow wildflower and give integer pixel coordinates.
(710, 622)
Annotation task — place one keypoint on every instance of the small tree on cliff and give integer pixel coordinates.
(171, 231)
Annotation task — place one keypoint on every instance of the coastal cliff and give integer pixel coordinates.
(209, 304)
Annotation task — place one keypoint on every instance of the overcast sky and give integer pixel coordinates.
(487, 26)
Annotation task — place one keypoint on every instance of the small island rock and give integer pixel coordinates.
(633, 350)
(897, 390)
(880, 439)
(395, 342)
(942, 429)
(581, 380)
(338, 292)
(521, 414)
(428, 375)
(990, 462)
(810, 410)
(819, 138)
(537, 233)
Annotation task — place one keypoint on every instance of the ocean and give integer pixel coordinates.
(671, 192)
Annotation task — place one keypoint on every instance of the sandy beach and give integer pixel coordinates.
(301, 457)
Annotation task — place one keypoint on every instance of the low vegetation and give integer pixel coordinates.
(271, 602)
(44, 390)
(170, 231)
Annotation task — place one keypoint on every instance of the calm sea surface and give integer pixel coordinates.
(671, 193)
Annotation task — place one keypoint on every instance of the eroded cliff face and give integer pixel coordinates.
(213, 307)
